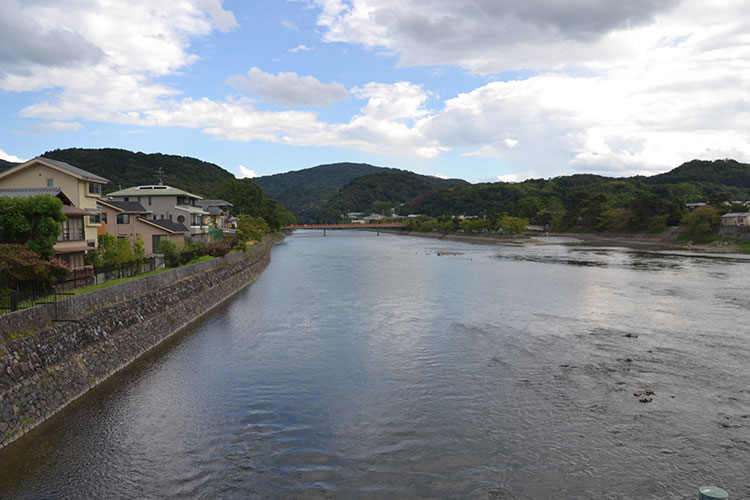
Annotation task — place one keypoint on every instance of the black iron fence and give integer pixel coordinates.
(15, 299)
(100, 274)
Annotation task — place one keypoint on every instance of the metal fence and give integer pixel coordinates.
(100, 274)
(14, 299)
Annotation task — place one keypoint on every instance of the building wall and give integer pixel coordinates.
(36, 175)
(42, 372)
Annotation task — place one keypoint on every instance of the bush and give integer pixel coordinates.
(23, 268)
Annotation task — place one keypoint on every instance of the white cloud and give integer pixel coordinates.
(518, 176)
(621, 87)
(300, 48)
(58, 126)
(490, 35)
(289, 25)
(288, 89)
(8, 157)
(246, 173)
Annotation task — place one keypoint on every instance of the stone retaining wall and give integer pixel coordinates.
(42, 372)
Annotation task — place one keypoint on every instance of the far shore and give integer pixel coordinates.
(649, 242)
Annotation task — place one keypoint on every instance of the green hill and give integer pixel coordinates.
(377, 193)
(125, 168)
(5, 165)
(304, 192)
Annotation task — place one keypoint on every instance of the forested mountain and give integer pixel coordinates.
(377, 193)
(726, 172)
(125, 168)
(5, 165)
(595, 202)
(306, 191)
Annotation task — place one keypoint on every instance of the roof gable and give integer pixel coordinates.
(76, 172)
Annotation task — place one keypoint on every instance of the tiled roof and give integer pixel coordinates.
(157, 190)
(70, 168)
(736, 214)
(29, 192)
(125, 206)
(167, 224)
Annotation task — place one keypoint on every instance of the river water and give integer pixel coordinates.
(365, 366)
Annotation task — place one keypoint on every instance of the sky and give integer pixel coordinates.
(483, 90)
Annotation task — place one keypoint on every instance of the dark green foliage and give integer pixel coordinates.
(33, 221)
(304, 192)
(5, 165)
(378, 192)
(127, 169)
(701, 222)
(244, 194)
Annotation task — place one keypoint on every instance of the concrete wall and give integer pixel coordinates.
(43, 371)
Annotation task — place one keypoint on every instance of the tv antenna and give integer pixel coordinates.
(160, 175)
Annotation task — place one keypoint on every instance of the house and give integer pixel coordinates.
(692, 206)
(219, 215)
(71, 245)
(167, 203)
(81, 189)
(736, 219)
(129, 219)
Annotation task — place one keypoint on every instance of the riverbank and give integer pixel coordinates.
(646, 241)
(50, 366)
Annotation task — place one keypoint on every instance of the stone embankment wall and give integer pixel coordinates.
(50, 366)
(736, 232)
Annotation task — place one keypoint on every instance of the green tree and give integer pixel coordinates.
(244, 194)
(34, 221)
(252, 228)
(701, 222)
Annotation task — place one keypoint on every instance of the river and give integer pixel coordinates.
(378, 366)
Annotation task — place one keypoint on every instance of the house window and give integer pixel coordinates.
(95, 188)
(123, 219)
(104, 217)
(50, 183)
(95, 219)
(181, 219)
(71, 229)
(149, 201)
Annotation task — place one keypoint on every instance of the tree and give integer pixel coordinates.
(701, 222)
(245, 195)
(24, 269)
(34, 221)
(252, 228)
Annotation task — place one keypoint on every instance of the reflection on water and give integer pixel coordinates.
(392, 367)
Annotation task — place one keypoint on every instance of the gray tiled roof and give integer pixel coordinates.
(167, 224)
(74, 170)
(29, 192)
(125, 206)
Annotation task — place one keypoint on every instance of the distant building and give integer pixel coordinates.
(129, 219)
(167, 203)
(81, 190)
(736, 219)
(693, 206)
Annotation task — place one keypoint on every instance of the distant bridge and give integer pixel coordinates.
(324, 227)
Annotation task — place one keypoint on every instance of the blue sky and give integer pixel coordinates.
(484, 90)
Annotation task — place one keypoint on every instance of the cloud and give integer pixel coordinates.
(289, 25)
(224, 20)
(58, 126)
(288, 89)
(300, 48)
(488, 35)
(246, 173)
(24, 40)
(8, 157)
(639, 91)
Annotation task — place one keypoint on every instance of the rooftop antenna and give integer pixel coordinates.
(160, 175)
